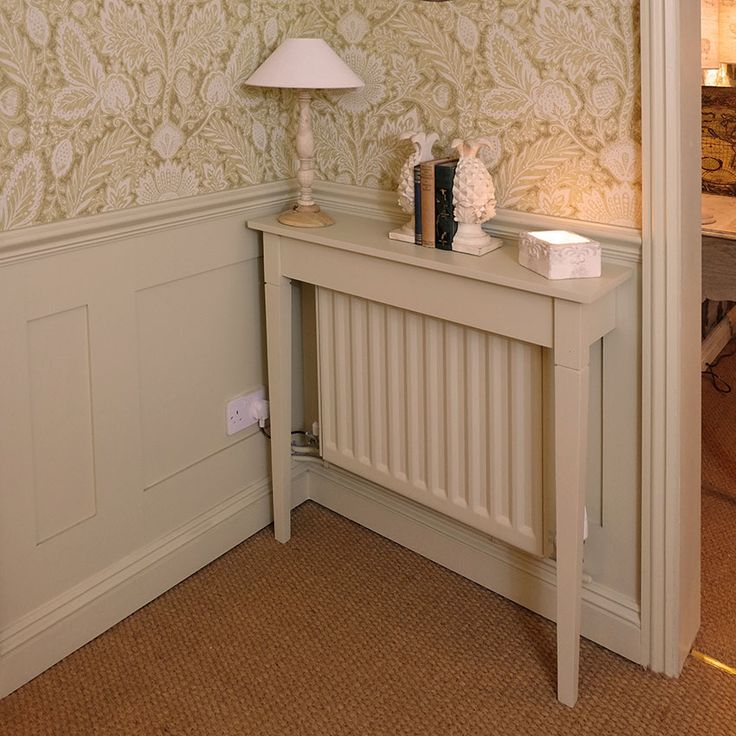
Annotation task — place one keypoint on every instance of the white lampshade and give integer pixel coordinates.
(709, 34)
(727, 31)
(304, 63)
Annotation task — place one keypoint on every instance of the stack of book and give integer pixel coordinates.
(434, 213)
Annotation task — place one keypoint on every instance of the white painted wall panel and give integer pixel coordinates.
(119, 354)
(61, 418)
(199, 344)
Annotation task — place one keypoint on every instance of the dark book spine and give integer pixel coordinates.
(444, 177)
(427, 196)
(417, 205)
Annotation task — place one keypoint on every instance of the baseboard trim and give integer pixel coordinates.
(717, 339)
(54, 630)
(608, 618)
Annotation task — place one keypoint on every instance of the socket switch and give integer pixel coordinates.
(241, 411)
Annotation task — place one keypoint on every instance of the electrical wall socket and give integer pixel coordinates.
(240, 412)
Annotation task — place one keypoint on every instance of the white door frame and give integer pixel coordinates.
(670, 47)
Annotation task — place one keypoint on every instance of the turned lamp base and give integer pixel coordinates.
(306, 216)
(305, 64)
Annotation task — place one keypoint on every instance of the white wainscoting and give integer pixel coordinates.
(123, 337)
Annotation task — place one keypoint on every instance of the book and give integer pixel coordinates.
(446, 227)
(427, 187)
(417, 206)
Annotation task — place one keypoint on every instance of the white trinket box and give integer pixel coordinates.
(558, 254)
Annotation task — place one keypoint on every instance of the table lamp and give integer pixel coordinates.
(305, 64)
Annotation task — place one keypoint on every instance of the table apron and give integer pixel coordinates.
(488, 307)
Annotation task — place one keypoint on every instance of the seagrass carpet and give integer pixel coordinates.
(343, 632)
(717, 635)
(719, 426)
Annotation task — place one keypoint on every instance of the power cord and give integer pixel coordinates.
(266, 434)
(719, 384)
(309, 446)
(310, 449)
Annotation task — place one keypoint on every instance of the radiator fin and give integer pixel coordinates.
(446, 415)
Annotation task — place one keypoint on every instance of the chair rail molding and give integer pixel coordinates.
(38, 241)
(621, 244)
(670, 332)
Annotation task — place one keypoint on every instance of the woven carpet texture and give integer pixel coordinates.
(717, 636)
(341, 631)
(719, 426)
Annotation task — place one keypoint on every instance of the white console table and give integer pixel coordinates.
(490, 293)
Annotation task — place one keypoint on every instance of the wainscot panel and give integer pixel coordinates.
(123, 340)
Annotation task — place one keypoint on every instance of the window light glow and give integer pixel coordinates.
(727, 30)
(709, 34)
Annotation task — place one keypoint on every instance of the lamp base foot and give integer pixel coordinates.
(300, 216)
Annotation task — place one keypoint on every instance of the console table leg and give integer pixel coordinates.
(571, 421)
(278, 328)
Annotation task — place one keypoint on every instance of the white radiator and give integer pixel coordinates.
(448, 416)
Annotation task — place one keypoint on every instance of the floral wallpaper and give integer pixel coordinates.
(107, 104)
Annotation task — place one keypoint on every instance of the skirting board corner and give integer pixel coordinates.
(47, 635)
(608, 618)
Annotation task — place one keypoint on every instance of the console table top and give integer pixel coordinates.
(369, 236)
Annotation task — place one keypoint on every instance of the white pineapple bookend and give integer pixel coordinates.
(474, 197)
(423, 143)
